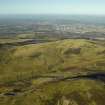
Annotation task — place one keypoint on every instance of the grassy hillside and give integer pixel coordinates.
(34, 74)
(80, 92)
(59, 56)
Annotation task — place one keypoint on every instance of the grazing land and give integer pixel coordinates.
(64, 72)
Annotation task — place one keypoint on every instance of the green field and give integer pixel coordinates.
(36, 74)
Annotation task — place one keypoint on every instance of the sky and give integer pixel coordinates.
(94, 7)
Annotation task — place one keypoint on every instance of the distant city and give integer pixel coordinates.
(64, 26)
